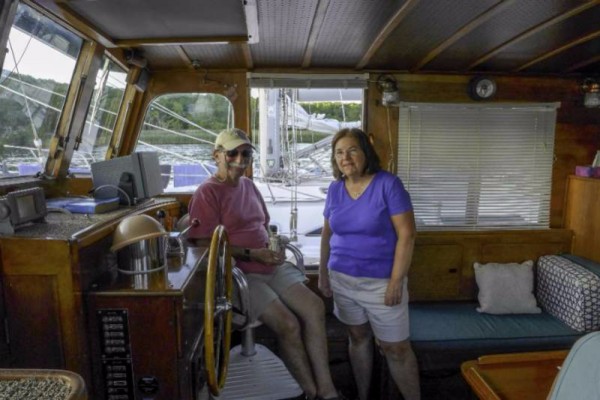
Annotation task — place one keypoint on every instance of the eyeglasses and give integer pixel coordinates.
(352, 152)
(234, 153)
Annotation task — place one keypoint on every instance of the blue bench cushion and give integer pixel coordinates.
(444, 335)
(460, 322)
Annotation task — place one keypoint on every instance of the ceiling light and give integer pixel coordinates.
(251, 10)
(591, 90)
(390, 96)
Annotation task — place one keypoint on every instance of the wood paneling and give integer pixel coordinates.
(435, 271)
(33, 311)
(442, 267)
(153, 334)
(164, 325)
(577, 134)
(4, 349)
(39, 302)
(582, 215)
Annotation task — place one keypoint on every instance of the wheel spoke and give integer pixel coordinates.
(218, 346)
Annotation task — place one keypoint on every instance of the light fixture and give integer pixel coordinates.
(390, 96)
(140, 244)
(251, 11)
(591, 90)
(135, 57)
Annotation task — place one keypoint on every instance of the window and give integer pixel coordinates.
(293, 119)
(477, 166)
(101, 116)
(35, 79)
(182, 129)
(293, 128)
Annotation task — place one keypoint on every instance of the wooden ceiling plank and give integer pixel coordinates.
(483, 17)
(559, 50)
(533, 31)
(386, 31)
(583, 63)
(184, 56)
(164, 41)
(247, 56)
(315, 30)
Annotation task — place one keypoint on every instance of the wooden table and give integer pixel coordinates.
(514, 376)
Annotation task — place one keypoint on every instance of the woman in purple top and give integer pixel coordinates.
(366, 249)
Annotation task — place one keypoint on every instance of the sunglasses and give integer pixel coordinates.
(234, 153)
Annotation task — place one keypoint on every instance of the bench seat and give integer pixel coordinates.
(444, 334)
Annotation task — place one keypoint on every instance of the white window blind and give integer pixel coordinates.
(481, 166)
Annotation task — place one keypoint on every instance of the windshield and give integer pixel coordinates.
(35, 78)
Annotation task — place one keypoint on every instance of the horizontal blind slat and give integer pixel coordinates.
(475, 167)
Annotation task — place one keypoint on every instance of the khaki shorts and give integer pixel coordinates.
(264, 288)
(361, 300)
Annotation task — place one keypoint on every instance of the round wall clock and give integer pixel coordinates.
(482, 88)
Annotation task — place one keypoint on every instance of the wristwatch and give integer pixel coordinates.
(246, 256)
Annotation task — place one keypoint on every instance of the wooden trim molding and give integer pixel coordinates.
(386, 31)
(583, 63)
(315, 30)
(559, 50)
(180, 41)
(462, 32)
(532, 31)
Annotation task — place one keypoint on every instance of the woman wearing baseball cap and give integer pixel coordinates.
(278, 295)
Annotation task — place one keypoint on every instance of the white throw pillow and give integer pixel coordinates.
(506, 288)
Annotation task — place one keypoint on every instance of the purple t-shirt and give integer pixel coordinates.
(363, 238)
(240, 209)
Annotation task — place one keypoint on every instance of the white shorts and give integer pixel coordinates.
(361, 300)
(265, 288)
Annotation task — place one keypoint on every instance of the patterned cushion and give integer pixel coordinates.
(570, 292)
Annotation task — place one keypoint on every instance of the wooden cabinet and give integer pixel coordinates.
(582, 216)
(46, 269)
(152, 336)
(39, 296)
(4, 350)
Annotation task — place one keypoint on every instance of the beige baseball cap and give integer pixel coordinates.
(229, 139)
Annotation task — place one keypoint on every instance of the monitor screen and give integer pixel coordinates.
(26, 205)
(137, 175)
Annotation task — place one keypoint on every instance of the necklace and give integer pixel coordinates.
(356, 193)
